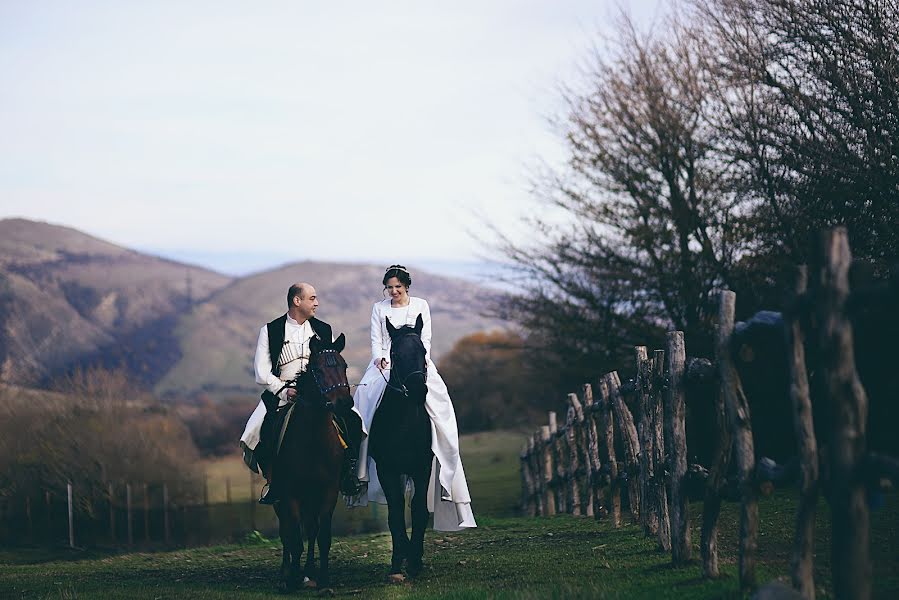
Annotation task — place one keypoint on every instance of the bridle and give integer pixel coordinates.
(331, 362)
(403, 389)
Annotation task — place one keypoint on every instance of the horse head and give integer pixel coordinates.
(328, 371)
(408, 366)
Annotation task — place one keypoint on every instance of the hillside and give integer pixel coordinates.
(67, 298)
(70, 300)
(219, 337)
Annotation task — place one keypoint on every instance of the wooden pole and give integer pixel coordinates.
(206, 490)
(649, 514)
(559, 456)
(146, 513)
(573, 422)
(680, 516)
(802, 564)
(537, 470)
(849, 413)
(228, 490)
(165, 512)
(659, 457)
(595, 506)
(549, 498)
(737, 409)
(28, 516)
(71, 515)
(130, 514)
(111, 512)
(49, 505)
(629, 442)
(608, 454)
(711, 509)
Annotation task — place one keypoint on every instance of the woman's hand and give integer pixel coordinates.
(382, 363)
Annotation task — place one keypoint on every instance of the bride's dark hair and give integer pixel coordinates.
(400, 272)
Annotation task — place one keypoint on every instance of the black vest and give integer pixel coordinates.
(276, 337)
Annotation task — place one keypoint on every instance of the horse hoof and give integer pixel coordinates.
(396, 578)
(414, 567)
(309, 583)
(326, 593)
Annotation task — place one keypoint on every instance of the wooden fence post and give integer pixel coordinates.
(111, 512)
(549, 498)
(130, 520)
(659, 456)
(165, 511)
(71, 515)
(573, 423)
(649, 516)
(228, 490)
(849, 413)
(629, 443)
(28, 516)
(608, 456)
(720, 460)
(146, 513)
(680, 516)
(802, 563)
(559, 456)
(537, 470)
(740, 423)
(593, 464)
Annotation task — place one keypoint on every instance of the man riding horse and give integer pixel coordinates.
(282, 355)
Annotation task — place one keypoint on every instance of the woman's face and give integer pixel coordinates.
(396, 289)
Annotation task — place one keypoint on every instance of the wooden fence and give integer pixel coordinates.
(145, 515)
(573, 468)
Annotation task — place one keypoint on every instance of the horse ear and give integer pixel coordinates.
(390, 328)
(419, 324)
(315, 343)
(339, 343)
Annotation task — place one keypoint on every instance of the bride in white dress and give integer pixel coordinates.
(448, 496)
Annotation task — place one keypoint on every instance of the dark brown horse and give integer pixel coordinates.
(308, 465)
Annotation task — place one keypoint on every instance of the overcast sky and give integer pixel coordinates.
(243, 134)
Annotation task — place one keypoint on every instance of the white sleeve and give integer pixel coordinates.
(426, 327)
(376, 351)
(263, 364)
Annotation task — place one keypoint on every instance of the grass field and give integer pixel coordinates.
(505, 557)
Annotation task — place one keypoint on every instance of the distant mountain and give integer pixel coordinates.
(70, 300)
(67, 299)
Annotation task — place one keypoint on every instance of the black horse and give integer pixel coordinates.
(308, 465)
(400, 444)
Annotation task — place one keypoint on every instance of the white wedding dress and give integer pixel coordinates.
(448, 496)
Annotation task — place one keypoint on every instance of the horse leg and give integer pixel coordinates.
(292, 548)
(311, 528)
(324, 546)
(392, 484)
(419, 521)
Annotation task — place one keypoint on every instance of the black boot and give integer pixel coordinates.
(349, 483)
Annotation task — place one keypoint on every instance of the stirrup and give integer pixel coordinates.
(268, 497)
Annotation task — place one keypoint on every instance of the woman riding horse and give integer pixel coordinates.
(417, 426)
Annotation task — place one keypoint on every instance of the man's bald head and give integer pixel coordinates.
(298, 290)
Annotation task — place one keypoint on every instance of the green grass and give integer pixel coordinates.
(505, 557)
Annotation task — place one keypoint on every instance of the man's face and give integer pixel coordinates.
(306, 302)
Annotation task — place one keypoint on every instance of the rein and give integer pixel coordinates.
(323, 391)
